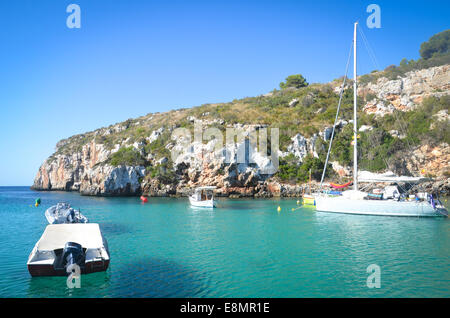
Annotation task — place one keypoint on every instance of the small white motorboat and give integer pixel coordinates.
(64, 213)
(203, 197)
(62, 245)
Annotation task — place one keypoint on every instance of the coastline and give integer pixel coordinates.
(440, 186)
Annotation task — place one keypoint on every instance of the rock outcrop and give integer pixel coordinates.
(87, 172)
(83, 162)
(407, 92)
(433, 161)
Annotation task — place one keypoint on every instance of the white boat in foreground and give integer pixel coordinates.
(62, 245)
(390, 202)
(203, 197)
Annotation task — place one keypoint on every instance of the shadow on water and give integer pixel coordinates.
(109, 228)
(153, 277)
(149, 277)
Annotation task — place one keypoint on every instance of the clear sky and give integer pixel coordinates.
(130, 58)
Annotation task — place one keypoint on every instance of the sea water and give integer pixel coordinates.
(243, 248)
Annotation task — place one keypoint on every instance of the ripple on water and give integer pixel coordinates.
(245, 248)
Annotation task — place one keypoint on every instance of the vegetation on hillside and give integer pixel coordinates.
(128, 156)
(437, 45)
(314, 109)
(434, 52)
(294, 81)
(290, 170)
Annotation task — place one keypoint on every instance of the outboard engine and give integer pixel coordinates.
(73, 254)
(70, 216)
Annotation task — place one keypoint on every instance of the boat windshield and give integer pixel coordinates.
(203, 195)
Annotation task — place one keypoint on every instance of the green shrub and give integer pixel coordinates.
(374, 149)
(295, 81)
(158, 147)
(341, 150)
(163, 173)
(127, 156)
(292, 171)
(310, 163)
(438, 44)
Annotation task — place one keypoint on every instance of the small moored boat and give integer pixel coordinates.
(203, 197)
(64, 213)
(62, 245)
(308, 200)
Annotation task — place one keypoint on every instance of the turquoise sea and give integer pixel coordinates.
(244, 248)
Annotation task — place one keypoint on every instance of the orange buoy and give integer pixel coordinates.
(144, 199)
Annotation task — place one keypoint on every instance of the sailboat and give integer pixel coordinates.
(355, 201)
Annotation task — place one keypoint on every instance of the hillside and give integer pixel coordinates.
(403, 114)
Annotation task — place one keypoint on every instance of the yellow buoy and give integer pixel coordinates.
(279, 209)
(36, 205)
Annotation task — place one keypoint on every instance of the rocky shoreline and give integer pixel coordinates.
(273, 189)
(85, 163)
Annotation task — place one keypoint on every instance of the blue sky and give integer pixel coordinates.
(131, 58)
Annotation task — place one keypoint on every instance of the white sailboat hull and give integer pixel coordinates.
(377, 207)
(353, 201)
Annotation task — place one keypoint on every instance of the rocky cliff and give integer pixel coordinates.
(85, 171)
(135, 156)
(406, 93)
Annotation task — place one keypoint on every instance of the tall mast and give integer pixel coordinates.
(355, 126)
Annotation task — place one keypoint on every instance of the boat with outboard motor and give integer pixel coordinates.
(63, 245)
(64, 213)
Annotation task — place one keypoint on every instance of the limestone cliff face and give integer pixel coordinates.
(200, 164)
(407, 92)
(432, 160)
(89, 172)
(83, 163)
(86, 172)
